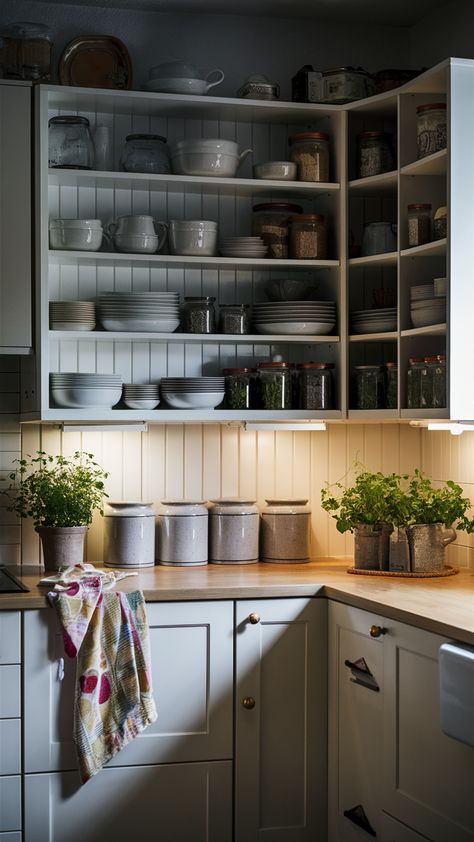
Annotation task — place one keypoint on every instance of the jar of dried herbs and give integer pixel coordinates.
(199, 314)
(375, 153)
(391, 385)
(274, 385)
(234, 318)
(315, 385)
(239, 388)
(431, 125)
(419, 224)
(308, 239)
(369, 387)
(310, 152)
(416, 368)
(270, 222)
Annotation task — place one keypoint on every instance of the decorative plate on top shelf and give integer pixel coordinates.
(96, 61)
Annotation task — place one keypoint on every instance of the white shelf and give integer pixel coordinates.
(166, 416)
(425, 414)
(74, 258)
(387, 259)
(375, 184)
(435, 164)
(373, 414)
(388, 336)
(187, 338)
(429, 330)
(434, 249)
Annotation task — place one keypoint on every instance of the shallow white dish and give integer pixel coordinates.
(276, 170)
(194, 400)
(374, 327)
(83, 398)
(141, 325)
(424, 318)
(141, 403)
(296, 328)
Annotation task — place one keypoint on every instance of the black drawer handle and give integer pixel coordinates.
(357, 816)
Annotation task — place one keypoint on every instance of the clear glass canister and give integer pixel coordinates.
(431, 132)
(440, 223)
(233, 531)
(270, 222)
(375, 153)
(310, 152)
(439, 382)
(427, 382)
(308, 240)
(391, 385)
(315, 385)
(234, 318)
(25, 52)
(416, 368)
(145, 153)
(369, 387)
(240, 388)
(70, 143)
(419, 224)
(199, 314)
(285, 530)
(274, 385)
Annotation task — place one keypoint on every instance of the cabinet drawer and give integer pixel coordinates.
(10, 637)
(10, 747)
(10, 701)
(10, 804)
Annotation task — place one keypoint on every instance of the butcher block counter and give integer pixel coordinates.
(441, 605)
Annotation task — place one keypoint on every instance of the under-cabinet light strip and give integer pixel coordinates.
(285, 426)
(104, 428)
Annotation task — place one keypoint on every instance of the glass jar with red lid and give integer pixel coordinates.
(240, 388)
(375, 153)
(310, 152)
(274, 385)
(308, 239)
(270, 222)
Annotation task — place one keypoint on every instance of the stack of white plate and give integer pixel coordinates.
(141, 395)
(192, 392)
(81, 390)
(374, 321)
(154, 312)
(316, 318)
(431, 311)
(72, 315)
(421, 292)
(243, 247)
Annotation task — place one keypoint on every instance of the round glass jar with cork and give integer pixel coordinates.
(315, 385)
(310, 152)
(419, 224)
(308, 240)
(270, 222)
(274, 387)
(374, 154)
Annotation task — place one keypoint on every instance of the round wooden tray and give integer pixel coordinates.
(446, 571)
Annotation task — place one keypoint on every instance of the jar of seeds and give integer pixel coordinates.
(416, 366)
(315, 385)
(310, 152)
(198, 314)
(369, 387)
(375, 153)
(239, 388)
(270, 222)
(419, 224)
(234, 318)
(308, 237)
(431, 128)
(274, 385)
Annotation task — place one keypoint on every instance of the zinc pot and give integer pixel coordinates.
(62, 545)
(427, 543)
(371, 546)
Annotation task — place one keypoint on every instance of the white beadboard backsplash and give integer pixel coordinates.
(10, 449)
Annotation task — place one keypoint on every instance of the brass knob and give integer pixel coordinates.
(376, 631)
(254, 618)
(248, 702)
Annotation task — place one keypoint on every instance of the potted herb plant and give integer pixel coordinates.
(60, 494)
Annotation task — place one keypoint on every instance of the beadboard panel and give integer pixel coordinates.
(10, 449)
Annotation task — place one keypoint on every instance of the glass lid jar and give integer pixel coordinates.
(146, 153)
(70, 143)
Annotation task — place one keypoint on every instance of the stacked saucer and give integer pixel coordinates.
(141, 395)
(193, 392)
(82, 390)
(374, 321)
(72, 315)
(243, 247)
(154, 312)
(316, 318)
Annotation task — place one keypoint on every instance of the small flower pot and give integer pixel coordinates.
(62, 545)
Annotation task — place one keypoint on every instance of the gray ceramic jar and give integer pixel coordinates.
(129, 534)
(182, 537)
(233, 531)
(285, 531)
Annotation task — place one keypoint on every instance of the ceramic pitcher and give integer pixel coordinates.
(427, 543)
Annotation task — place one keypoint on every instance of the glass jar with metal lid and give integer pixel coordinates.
(310, 152)
(145, 153)
(391, 385)
(375, 153)
(240, 388)
(431, 128)
(70, 143)
(419, 224)
(369, 387)
(285, 530)
(25, 51)
(199, 314)
(274, 385)
(416, 368)
(270, 222)
(308, 240)
(234, 318)
(315, 385)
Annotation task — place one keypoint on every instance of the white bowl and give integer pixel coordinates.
(194, 238)
(423, 318)
(277, 170)
(136, 243)
(76, 397)
(194, 400)
(141, 403)
(296, 328)
(141, 325)
(75, 223)
(206, 157)
(75, 238)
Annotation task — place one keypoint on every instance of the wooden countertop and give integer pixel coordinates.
(444, 606)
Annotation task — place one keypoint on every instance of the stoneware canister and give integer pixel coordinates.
(233, 531)
(285, 531)
(427, 543)
(182, 533)
(129, 534)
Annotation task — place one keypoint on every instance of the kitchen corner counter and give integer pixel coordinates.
(444, 606)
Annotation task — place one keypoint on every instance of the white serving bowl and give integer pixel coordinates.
(136, 243)
(194, 400)
(430, 316)
(141, 325)
(141, 403)
(192, 238)
(206, 157)
(76, 397)
(276, 170)
(75, 237)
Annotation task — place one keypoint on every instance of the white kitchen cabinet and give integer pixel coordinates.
(10, 651)
(280, 708)
(393, 831)
(10, 724)
(10, 804)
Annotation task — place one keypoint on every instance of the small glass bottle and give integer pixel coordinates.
(70, 143)
(431, 129)
(392, 385)
(274, 385)
(369, 387)
(145, 153)
(416, 367)
(308, 237)
(199, 314)
(234, 318)
(239, 388)
(315, 385)
(310, 152)
(419, 224)
(375, 154)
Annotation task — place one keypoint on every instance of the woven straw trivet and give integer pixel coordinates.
(446, 571)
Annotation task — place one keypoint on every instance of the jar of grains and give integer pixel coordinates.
(431, 128)
(239, 388)
(234, 318)
(315, 385)
(416, 366)
(308, 237)
(270, 222)
(369, 387)
(199, 315)
(310, 152)
(374, 153)
(419, 224)
(391, 385)
(440, 223)
(274, 385)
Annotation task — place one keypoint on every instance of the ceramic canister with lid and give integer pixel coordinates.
(285, 530)
(129, 534)
(182, 538)
(233, 531)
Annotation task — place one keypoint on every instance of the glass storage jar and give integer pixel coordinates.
(25, 52)
(285, 531)
(233, 531)
(369, 387)
(431, 128)
(270, 222)
(440, 223)
(391, 385)
(439, 382)
(234, 318)
(274, 385)
(70, 143)
(199, 314)
(145, 153)
(419, 224)
(308, 240)
(239, 388)
(416, 367)
(314, 385)
(427, 382)
(374, 153)
(310, 152)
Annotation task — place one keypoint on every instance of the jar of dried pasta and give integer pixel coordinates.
(308, 237)
(310, 152)
(270, 222)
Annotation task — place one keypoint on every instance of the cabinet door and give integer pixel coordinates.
(428, 776)
(15, 218)
(183, 802)
(393, 831)
(10, 637)
(281, 738)
(355, 714)
(192, 667)
(10, 803)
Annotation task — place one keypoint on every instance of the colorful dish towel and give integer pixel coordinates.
(108, 632)
(81, 571)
